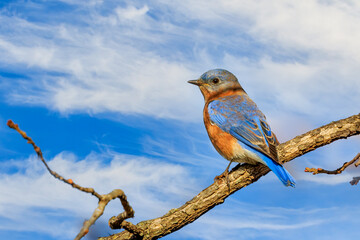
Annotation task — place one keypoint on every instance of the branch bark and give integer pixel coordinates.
(240, 176)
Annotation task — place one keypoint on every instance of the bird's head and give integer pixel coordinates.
(215, 82)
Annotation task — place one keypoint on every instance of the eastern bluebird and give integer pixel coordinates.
(236, 127)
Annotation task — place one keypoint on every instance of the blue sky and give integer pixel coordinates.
(101, 86)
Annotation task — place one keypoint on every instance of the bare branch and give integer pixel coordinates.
(239, 177)
(103, 199)
(315, 171)
(355, 181)
(138, 232)
(116, 222)
(12, 125)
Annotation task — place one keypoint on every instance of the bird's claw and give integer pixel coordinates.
(225, 175)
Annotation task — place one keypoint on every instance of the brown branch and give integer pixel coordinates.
(12, 125)
(239, 177)
(115, 222)
(355, 160)
(103, 199)
(355, 181)
(138, 232)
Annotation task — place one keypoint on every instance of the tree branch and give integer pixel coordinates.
(103, 199)
(315, 171)
(239, 177)
(14, 126)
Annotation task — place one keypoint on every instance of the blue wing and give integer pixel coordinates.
(239, 116)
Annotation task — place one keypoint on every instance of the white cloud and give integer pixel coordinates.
(131, 12)
(100, 69)
(32, 200)
(131, 62)
(309, 52)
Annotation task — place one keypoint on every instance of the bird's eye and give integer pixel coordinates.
(215, 81)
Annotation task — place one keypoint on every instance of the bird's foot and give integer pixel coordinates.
(225, 175)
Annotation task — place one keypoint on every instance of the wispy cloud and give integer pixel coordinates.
(99, 69)
(135, 58)
(37, 202)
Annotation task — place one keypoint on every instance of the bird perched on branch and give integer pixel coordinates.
(236, 127)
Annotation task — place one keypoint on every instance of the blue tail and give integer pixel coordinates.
(279, 171)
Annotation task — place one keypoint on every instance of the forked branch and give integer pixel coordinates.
(103, 199)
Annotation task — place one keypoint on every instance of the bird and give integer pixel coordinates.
(236, 127)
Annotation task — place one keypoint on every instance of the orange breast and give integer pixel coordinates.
(223, 142)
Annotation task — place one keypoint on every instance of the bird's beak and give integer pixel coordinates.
(195, 82)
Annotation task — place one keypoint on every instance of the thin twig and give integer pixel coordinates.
(103, 199)
(12, 125)
(115, 222)
(355, 160)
